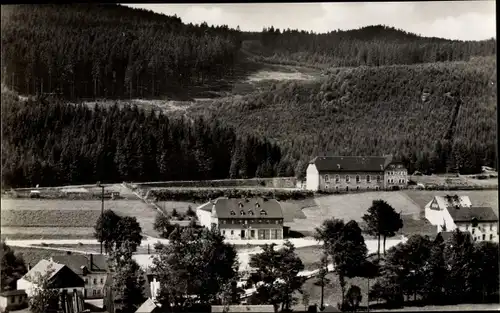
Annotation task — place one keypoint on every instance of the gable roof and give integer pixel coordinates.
(452, 201)
(148, 307)
(12, 293)
(76, 261)
(60, 276)
(351, 163)
(271, 207)
(244, 308)
(465, 214)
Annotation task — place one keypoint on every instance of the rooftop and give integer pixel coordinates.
(12, 293)
(76, 261)
(466, 214)
(248, 208)
(351, 163)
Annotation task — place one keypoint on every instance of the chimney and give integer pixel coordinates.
(29, 266)
(338, 166)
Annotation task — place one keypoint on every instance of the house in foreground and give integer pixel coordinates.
(348, 173)
(149, 306)
(243, 308)
(448, 213)
(59, 277)
(91, 268)
(13, 300)
(239, 218)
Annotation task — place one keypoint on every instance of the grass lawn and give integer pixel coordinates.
(310, 256)
(461, 180)
(33, 255)
(47, 232)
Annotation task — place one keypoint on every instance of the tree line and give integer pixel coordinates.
(52, 143)
(376, 45)
(109, 51)
(436, 118)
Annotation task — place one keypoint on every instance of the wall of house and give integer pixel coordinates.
(14, 302)
(27, 286)
(94, 285)
(204, 217)
(312, 178)
(486, 230)
(273, 232)
(328, 181)
(155, 288)
(396, 177)
(436, 216)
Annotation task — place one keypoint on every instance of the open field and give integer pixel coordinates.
(47, 232)
(32, 256)
(82, 214)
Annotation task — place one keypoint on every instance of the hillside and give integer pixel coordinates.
(435, 117)
(53, 144)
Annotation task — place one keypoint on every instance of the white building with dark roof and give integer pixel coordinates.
(255, 218)
(348, 173)
(451, 212)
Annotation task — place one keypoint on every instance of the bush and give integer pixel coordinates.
(205, 194)
(190, 212)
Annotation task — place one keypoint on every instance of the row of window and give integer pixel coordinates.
(250, 212)
(94, 281)
(484, 237)
(247, 221)
(348, 178)
(392, 180)
(347, 188)
(397, 173)
(482, 229)
(21, 298)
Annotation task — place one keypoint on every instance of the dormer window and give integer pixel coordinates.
(240, 204)
(242, 212)
(262, 212)
(257, 205)
(357, 179)
(250, 212)
(232, 212)
(347, 178)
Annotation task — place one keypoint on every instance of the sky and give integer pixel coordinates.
(462, 20)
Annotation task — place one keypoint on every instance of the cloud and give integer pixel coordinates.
(465, 20)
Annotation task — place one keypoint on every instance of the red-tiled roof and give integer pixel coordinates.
(464, 214)
(351, 163)
(252, 208)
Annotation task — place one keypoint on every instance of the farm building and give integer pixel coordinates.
(59, 277)
(448, 213)
(13, 300)
(91, 268)
(256, 218)
(347, 173)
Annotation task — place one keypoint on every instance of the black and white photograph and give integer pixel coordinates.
(249, 157)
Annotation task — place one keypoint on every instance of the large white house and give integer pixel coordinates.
(451, 212)
(348, 173)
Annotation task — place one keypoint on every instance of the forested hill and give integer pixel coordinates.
(109, 51)
(372, 46)
(55, 144)
(435, 117)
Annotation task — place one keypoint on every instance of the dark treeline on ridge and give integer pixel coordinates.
(54, 144)
(109, 51)
(371, 46)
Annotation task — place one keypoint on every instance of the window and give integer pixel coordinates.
(491, 236)
(473, 231)
(232, 212)
(98, 291)
(277, 221)
(484, 236)
(242, 212)
(94, 292)
(357, 187)
(357, 179)
(95, 281)
(327, 178)
(376, 188)
(347, 188)
(337, 178)
(246, 222)
(378, 178)
(467, 227)
(232, 232)
(223, 232)
(102, 281)
(491, 226)
(347, 178)
(262, 212)
(250, 212)
(336, 188)
(367, 178)
(86, 281)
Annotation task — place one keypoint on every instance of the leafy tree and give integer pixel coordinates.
(128, 285)
(346, 246)
(322, 280)
(382, 219)
(44, 298)
(435, 274)
(162, 225)
(114, 230)
(486, 275)
(305, 299)
(194, 268)
(129, 230)
(190, 212)
(105, 228)
(354, 297)
(12, 268)
(278, 270)
(175, 213)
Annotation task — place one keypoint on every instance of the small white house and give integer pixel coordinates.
(451, 212)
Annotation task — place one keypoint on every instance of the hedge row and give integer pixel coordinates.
(279, 182)
(205, 194)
